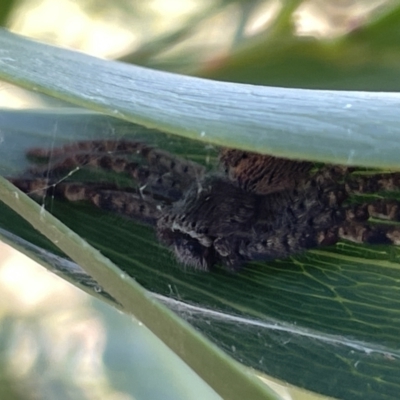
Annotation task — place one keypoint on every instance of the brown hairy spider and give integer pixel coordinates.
(256, 207)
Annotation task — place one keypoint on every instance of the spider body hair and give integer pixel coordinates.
(218, 222)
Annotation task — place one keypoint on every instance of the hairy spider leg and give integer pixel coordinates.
(358, 227)
(105, 196)
(158, 175)
(385, 209)
(156, 172)
(157, 159)
(366, 183)
(370, 233)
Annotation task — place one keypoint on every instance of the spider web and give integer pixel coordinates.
(337, 306)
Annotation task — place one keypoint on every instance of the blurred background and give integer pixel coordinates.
(346, 44)
(55, 341)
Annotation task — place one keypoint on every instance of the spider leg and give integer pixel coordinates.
(370, 233)
(357, 229)
(106, 196)
(385, 209)
(359, 184)
(159, 177)
(157, 160)
(37, 187)
(131, 205)
(388, 209)
(157, 171)
(90, 146)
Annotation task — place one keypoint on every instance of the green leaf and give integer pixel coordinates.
(351, 128)
(331, 315)
(6, 9)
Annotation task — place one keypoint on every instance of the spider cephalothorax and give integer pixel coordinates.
(218, 222)
(255, 208)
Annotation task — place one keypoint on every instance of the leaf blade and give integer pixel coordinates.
(350, 128)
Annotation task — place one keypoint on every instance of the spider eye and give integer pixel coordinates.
(191, 252)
